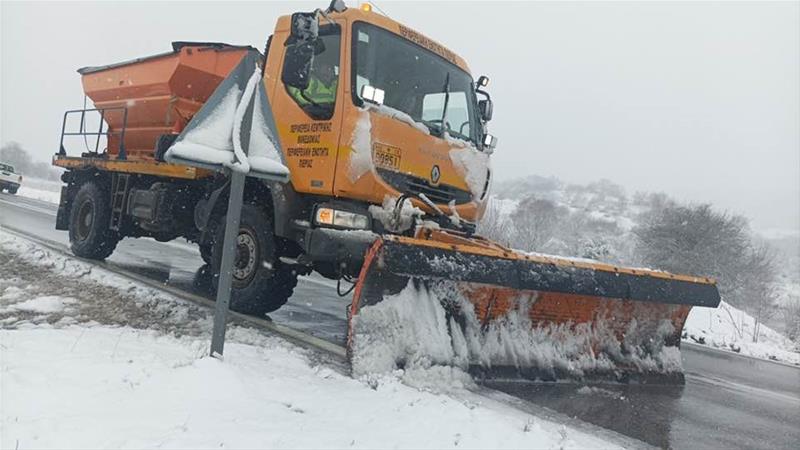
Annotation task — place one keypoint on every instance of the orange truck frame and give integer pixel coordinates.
(408, 123)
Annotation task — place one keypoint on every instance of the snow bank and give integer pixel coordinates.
(105, 387)
(44, 305)
(411, 331)
(42, 190)
(74, 383)
(729, 328)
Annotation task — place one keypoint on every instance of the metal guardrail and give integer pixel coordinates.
(121, 154)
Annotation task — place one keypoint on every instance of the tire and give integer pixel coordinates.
(13, 190)
(201, 283)
(90, 215)
(206, 251)
(261, 284)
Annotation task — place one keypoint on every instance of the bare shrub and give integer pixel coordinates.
(699, 240)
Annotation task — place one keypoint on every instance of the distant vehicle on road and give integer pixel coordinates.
(9, 180)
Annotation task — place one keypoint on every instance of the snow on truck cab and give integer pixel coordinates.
(9, 180)
(384, 134)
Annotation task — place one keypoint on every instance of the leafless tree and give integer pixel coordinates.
(791, 313)
(699, 240)
(535, 222)
(495, 224)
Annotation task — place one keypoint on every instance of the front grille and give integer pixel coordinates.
(409, 184)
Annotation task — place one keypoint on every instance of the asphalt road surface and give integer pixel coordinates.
(729, 401)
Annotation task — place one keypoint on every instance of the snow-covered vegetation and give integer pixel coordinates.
(729, 328)
(13, 153)
(757, 274)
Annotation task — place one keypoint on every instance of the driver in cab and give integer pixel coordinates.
(322, 83)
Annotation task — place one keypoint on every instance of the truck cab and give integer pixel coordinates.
(398, 115)
(384, 132)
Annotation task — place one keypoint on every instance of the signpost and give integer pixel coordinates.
(226, 267)
(232, 157)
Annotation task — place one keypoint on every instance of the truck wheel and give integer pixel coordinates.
(13, 190)
(90, 215)
(205, 252)
(261, 284)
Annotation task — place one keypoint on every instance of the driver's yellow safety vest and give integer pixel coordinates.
(316, 91)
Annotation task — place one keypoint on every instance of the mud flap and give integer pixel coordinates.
(514, 316)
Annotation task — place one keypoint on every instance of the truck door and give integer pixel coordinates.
(309, 121)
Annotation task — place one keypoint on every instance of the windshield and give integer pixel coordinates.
(415, 81)
(6, 168)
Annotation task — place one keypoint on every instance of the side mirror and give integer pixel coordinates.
(297, 64)
(489, 143)
(372, 94)
(486, 108)
(305, 26)
(483, 81)
(300, 50)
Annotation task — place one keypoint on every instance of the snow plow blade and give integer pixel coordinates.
(452, 300)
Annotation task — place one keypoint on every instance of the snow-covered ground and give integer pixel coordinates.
(37, 189)
(93, 360)
(729, 328)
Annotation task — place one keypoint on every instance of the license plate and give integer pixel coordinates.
(386, 156)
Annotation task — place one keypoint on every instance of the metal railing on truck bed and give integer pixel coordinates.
(121, 155)
(108, 160)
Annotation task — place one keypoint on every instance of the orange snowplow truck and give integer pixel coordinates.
(384, 133)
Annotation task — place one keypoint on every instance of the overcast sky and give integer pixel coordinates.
(699, 100)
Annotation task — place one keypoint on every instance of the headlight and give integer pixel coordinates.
(343, 219)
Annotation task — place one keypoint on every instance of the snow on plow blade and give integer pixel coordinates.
(444, 299)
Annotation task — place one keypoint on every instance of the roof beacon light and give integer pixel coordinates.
(366, 7)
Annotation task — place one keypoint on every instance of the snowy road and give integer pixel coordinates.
(729, 401)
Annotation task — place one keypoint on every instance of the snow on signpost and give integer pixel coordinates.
(233, 132)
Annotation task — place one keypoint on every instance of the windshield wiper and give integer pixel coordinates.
(433, 125)
(446, 101)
